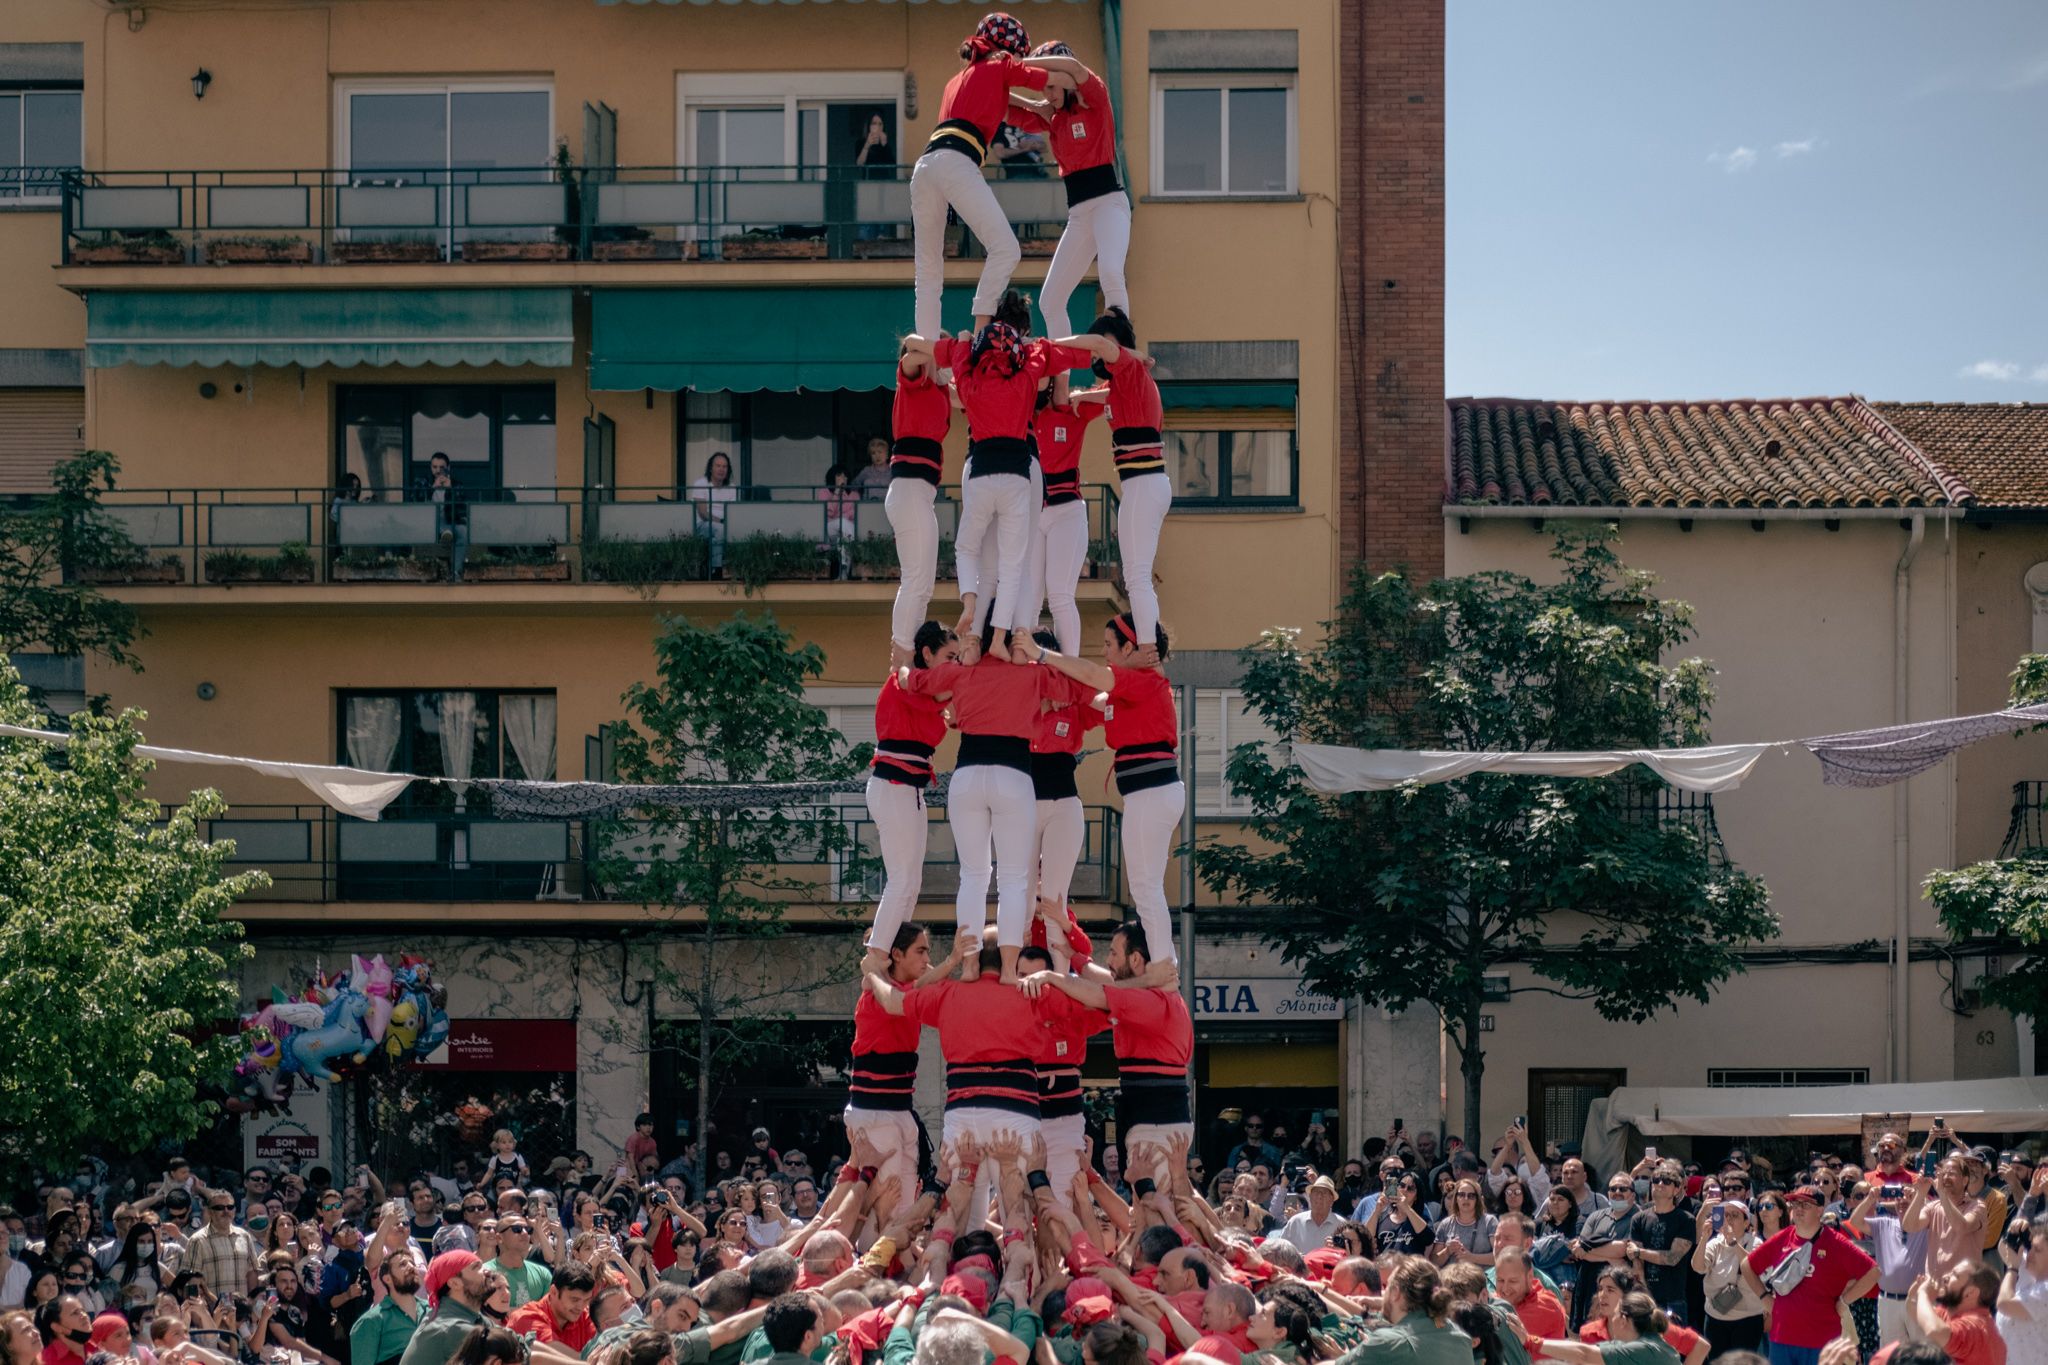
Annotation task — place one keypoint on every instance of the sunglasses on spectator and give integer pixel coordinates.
(328, 1206)
(1735, 1184)
(229, 1208)
(1620, 1187)
(514, 1230)
(476, 1208)
(1666, 1180)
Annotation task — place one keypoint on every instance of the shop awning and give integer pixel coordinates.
(330, 327)
(1211, 396)
(747, 339)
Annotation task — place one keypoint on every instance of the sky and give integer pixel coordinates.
(1725, 198)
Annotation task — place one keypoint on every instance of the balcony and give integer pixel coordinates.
(231, 538)
(316, 856)
(537, 214)
(2026, 836)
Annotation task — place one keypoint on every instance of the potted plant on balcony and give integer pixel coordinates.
(143, 568)
(516, 564)
(674, 559)
(874, 559)
(1102, 560)
(363, 565)
(770, 245)
(152, 247)
(637, 244)
(758, 560)
(293, 563)
(392, 251)
(514, 249)
(259, 251)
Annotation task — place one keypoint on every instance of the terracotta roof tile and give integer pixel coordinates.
(1790, 452)
(1999, 449)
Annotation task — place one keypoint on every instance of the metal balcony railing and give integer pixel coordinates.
(1674, 808)
(558, 212)
(315, 855)
(2027, 833)
(765, 534)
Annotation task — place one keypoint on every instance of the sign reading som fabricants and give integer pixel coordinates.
(1262, 998)
(505, 1045)
(293, 1147)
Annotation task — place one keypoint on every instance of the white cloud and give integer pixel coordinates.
(2029, 75)
(1741, 159)
(2002, 371)
(2040, 374)
(1799, 148)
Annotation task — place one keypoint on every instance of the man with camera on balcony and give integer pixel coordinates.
(438, 486)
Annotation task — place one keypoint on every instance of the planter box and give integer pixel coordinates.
(259, 253)
(643, 251)
(875, 573)
(772, 249)
(128, 255)
(135, 573)
(515, 251)
(556, 572)
(384, 253)
(402, 571)
(301, 574)
(1037, 247)
(883, 251)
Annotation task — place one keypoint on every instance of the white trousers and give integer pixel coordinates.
(894, 1134)
(1063, 1139)
(1160, 1135)
(1151, 823)
(909, 504)
(1097, 230)
(1141, 512)
(1062, 829)
(1004, 502)
(1057, 553)
(1892, 1317)
(948, 179)
(901, 829)
(988, 804)
(984, 1125)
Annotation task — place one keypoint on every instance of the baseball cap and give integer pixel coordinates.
(1805, 1194)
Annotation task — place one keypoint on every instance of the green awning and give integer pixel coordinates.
(330, 327)
(1249, 395)
(745, 339)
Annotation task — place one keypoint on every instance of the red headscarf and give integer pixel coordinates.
(998, 32)
(447, 1266)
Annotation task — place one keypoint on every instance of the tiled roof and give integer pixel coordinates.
(1999, 449)
(1761, 453)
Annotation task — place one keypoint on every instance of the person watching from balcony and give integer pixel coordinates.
(872, 479)
(440, 488)
(711, 491)
(351, 490)
(839, 499)
(876, 160)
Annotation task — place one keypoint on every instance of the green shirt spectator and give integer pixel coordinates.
(692, 1347)
(382, 1333)
(435, 1341)
(529, 1280)
(1415, 1340)
(1644, 1351)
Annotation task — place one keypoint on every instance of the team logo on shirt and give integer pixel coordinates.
(1059, 1049)
(1109, 713)
(1060, 728)
(1059, 433)
(1078, 128)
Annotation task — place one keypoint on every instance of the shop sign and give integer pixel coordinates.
(505, 1045)
(1248, 998)
(290, 1148)
(292, 1136)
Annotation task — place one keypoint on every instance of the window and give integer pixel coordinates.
(1231, 467)
(1223, 135)
(1559, 1100)
(461, 734)
(499, 438)
(779, 120)
(452, 135)
(780, 440)
(40, 130)
(1223, 722)
(1787, 1079)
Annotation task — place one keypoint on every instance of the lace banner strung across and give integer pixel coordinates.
(1877, 758)
(602, 800)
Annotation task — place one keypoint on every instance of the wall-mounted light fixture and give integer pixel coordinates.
(200, 80)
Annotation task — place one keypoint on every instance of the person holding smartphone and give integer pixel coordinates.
(1954, 1221)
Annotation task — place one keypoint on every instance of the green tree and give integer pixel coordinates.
(2005, 899)
(116, 964)
(728, 708)
(43, 542)
(1416, 894)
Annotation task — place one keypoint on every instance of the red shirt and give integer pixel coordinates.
(986, 1031)
(1973, 1337)
(1678, 1337)
(1140, 714)
(1080, 947)
(1064, 1026)
(538, 1318)
(920, 418)
(1059, 432)
(907, 728)
(884, 1070)
(1135, 416)
(1807, 1316)
(994, 696)
(1542, 1315)
(980, 93)
(1080, 138)
(1002, 405)
(1154, 1039)
(1062, 729)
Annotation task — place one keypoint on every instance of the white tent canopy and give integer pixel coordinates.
(2003, 1104)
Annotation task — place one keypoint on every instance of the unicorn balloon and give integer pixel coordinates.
(340, 1036)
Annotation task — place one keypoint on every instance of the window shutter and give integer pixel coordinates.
(39, 428)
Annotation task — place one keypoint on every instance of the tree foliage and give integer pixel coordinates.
(1416, 894)
(116, 964)
(728, 707)
(43, 542)
(2005, 899)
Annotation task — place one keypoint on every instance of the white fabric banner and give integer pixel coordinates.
(1332, 768)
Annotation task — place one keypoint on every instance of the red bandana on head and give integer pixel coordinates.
(998, 32)
(1003, 343)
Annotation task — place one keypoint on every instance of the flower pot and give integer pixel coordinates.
(170, 571)
(882, 251)
(555, 571)
(139, 253)
(385, 253)
(643, 251)
(296, 573)
(772, 248)
(389, 571)
(515, 251)
(259, 253)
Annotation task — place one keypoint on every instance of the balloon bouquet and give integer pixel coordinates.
(371, 1010)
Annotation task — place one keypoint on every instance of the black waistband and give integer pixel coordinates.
(1139, 1100)
(994, 751)
(958, 135)
(1121, 437)
(881, 1080)
(1052, 776)
(916, 457)
(999, 455)
(1146, 765)
(903, 761)
(1059, 1092)
(1091, 182)
(905, 748)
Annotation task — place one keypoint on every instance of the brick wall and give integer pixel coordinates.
(1391, 197)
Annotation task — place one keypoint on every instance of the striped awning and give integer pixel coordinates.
(209, 327)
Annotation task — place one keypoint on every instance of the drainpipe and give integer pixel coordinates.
(1901, 1020)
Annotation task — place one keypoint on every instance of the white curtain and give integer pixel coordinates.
(457, 714)
(373, 732)
(530, 730)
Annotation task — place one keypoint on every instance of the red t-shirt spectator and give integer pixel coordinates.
(1543, 1316)
(1678, 1337)
(538, 1318)
(1808, 1316)
(1973, 1337)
